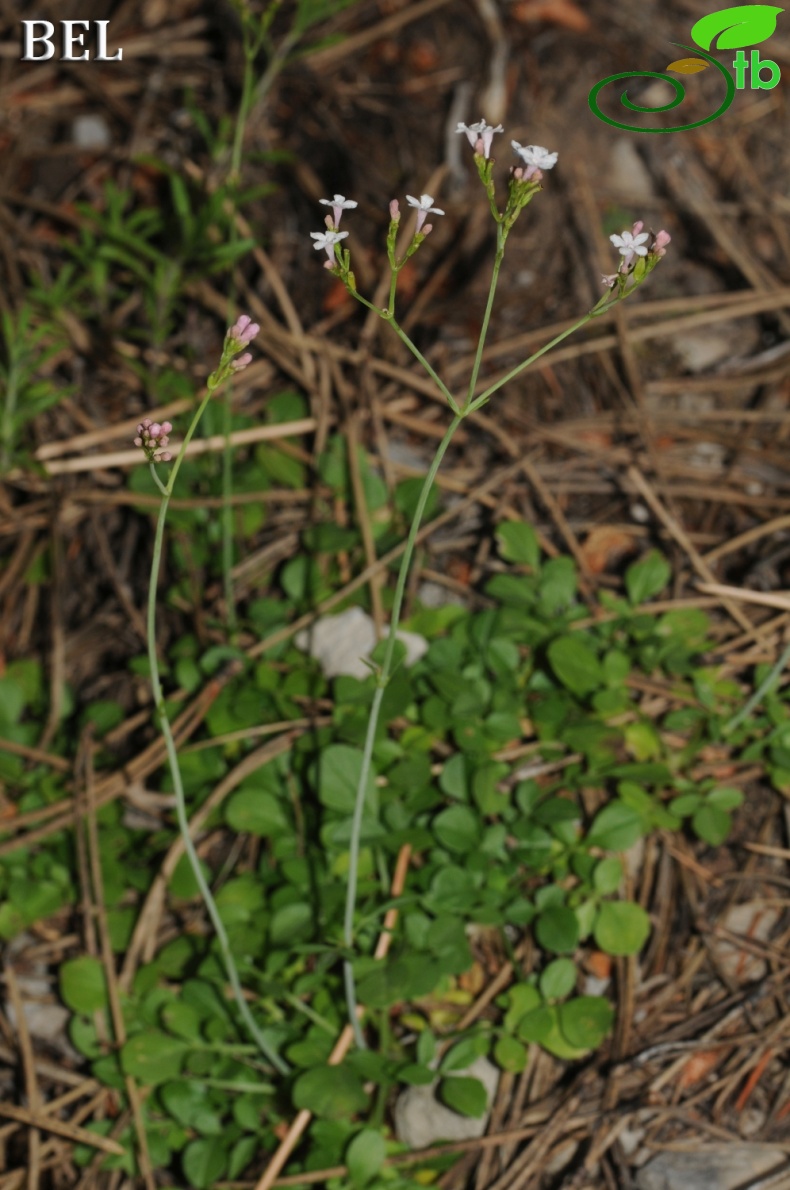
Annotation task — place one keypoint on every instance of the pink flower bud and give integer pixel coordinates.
(243, 330)
(635, 230)
(155, 430)
(241, 362)
(166, 427)
(394, 209)
(660, 243)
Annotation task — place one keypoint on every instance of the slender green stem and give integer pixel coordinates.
(443, 389)
(759, 694)
(172, 754)
(489, 392)
(501, 236)
(387, 316)
(227, 514)
(367, 756)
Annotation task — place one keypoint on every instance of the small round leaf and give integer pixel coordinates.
(585, 1021)
(621, 927)
(559, 979)
(365, 1156)
(464, 1095)
(557, 930)
(83, 984)
(330, 1091)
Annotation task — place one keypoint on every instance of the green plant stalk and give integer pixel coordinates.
(489, 392)
(9, 409)
(172, 754)
(759, 694)
(227, 515)
(501, 236)
(388, 315)
(384, 673)
(367, 756)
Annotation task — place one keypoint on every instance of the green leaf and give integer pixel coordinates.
(711, 824)
(464, 1052)
(365, 1156)
(647, 577)
(621, 927)
(607, 875)
(256, 811)
(291, 923)
(518, 542)
(153, 1057)
(585, 1021)
(616, 827)
(453, 778)
(725, 799)
(510, 1055)
(204, 1162)
(746, 24)
(457, 828)
(416, 1075)
(557, 930)
(522, 998)
(559, 979)
(333, 1092)
(188, 1103)
(339, 770)
(542, 1026)
(83, 985)
(464, 1095)
(182, 1020)
(575, 664)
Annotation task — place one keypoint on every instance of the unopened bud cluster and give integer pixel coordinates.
(152, 436)
(238, 336)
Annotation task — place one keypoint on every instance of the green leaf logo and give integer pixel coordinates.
(746, 24)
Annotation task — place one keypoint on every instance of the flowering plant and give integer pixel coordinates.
(640, 251)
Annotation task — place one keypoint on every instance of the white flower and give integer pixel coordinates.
(480, 131)
(535, 156)
(423, 205)
(327, 240)
(339, 204)
(630, 245)
(628, 242)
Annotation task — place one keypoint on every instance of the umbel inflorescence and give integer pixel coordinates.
(639, 249)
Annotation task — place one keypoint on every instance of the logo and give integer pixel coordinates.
(731, 29)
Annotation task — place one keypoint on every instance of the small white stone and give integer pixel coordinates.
(340, 642)
(421, 1120)
(90, 132)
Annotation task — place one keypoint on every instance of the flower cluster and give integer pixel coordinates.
(480, 136)
(424, 207)
(636, 245)
(152, 436)
(535, 159)
(240, 334)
